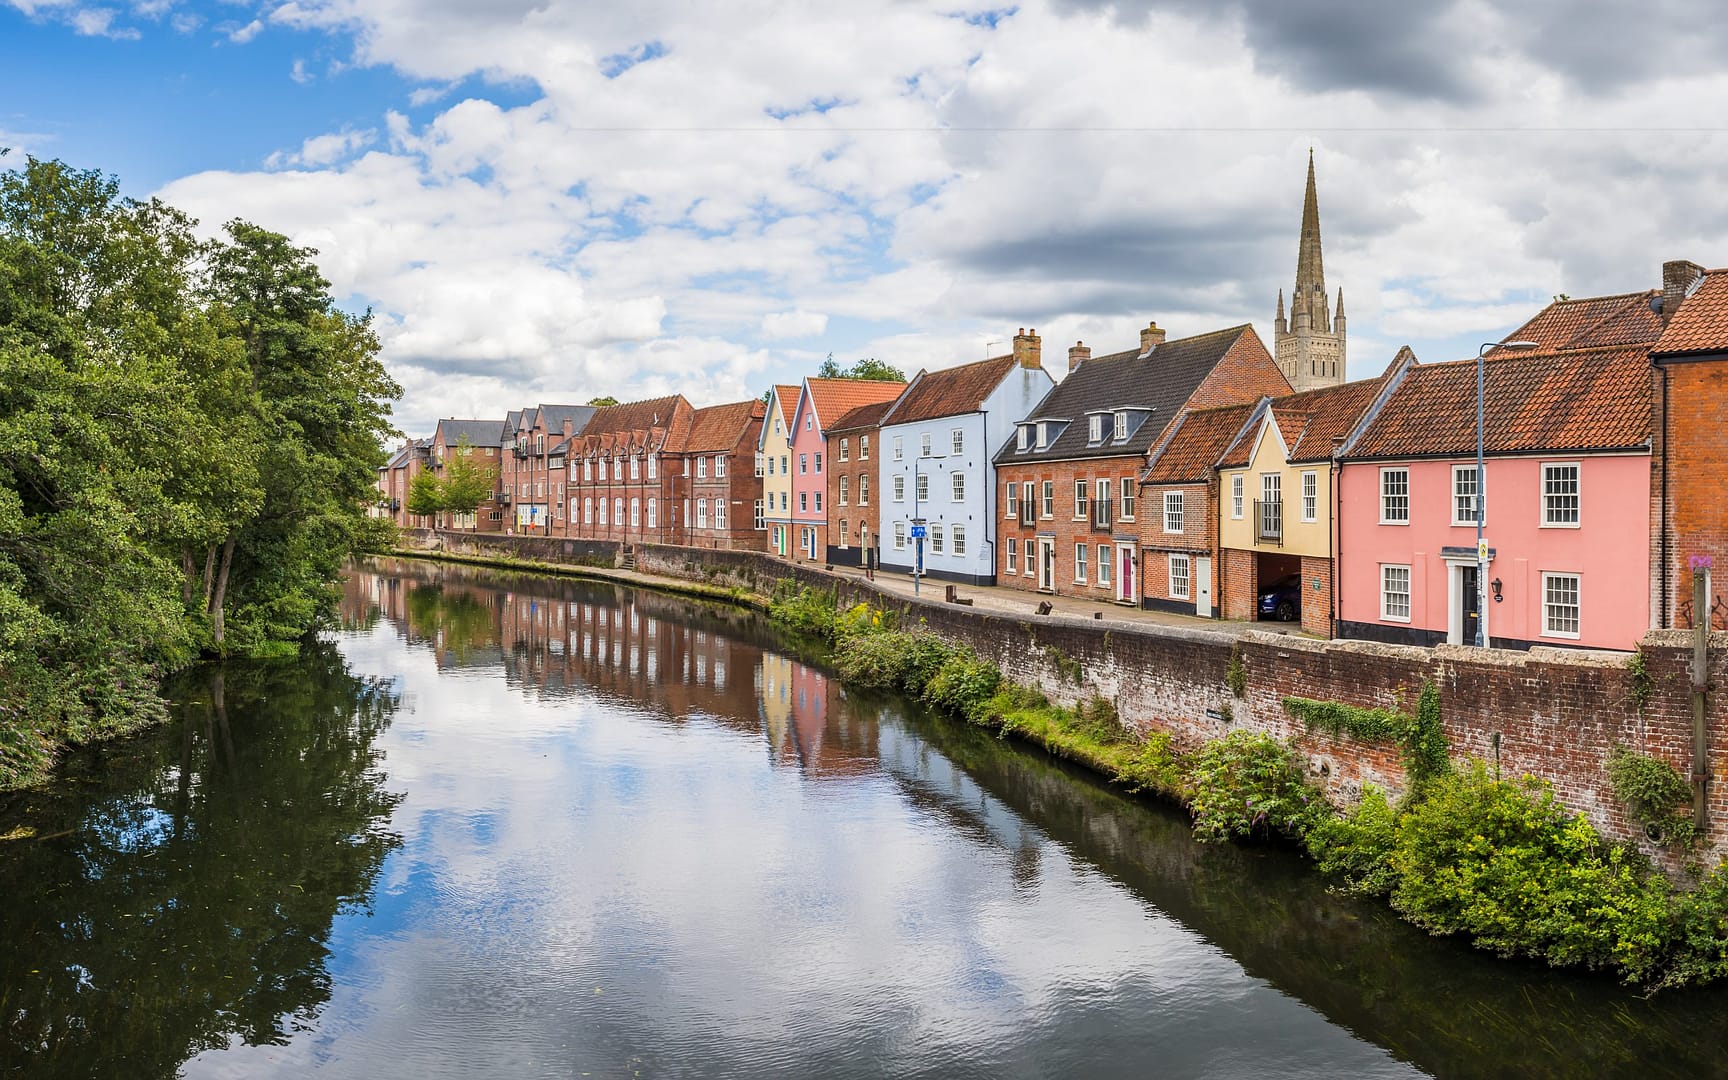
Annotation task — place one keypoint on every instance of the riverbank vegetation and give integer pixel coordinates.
(1498, 861)
(188, 429)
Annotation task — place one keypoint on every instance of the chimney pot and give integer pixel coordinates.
(1026, 349)
(1151, 336)
(1078, 354)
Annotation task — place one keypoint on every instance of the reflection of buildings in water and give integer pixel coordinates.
(810, 722)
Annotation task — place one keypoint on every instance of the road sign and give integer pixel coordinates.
(918, 532)
(1481, 551)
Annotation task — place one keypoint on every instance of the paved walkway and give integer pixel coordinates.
(1015, 601)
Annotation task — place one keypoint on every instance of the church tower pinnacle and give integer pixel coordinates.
(1310, 348)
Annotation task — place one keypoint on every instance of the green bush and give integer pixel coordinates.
(1154, 767)
(1096, 718)
(376, 536)
(1357, 847)
(963, 685)
(1505, 863)
(806, 610)
(1655, 793)
(1248, 782)
(874, 660)
(1702, 930)
(925, 653)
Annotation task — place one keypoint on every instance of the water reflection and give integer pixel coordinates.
(179, 893)
(641, 836)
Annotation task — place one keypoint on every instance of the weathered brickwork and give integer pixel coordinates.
(1065, 525)
(1317, 596)
(1237, 575)
(1696, 420)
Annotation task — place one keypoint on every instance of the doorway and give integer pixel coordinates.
(1125, 584)
(1203, 586)
(1046, 565)
(1469, 603)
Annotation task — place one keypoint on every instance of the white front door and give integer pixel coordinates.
(1203, 586)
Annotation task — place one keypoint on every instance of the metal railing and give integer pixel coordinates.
(1269, 521)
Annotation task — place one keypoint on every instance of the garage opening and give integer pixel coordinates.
(1277, 587)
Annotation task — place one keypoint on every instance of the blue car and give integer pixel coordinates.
(1282, 600)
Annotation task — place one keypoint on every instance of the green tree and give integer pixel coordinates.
(467, 481)
(425, 495)
(601, 402)
(868, 369)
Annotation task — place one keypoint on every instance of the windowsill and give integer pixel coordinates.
(1395, 619)
(1561, 525)
(1557, 636)
(1383, 521)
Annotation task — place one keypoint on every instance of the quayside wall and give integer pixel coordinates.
(1552, 713)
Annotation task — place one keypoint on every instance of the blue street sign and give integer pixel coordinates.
(918, 532)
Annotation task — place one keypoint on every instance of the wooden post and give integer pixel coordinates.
(1700, 687)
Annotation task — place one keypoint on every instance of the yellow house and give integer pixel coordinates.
(1275, 508)
(774, 466)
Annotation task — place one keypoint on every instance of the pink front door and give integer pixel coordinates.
(1125, 579)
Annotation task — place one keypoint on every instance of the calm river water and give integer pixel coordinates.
(509, 826)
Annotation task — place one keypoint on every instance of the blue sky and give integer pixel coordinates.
(550, 200)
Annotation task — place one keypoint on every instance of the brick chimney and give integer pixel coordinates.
(1078, 354)
(1026, 348)
(1678, 277)
(569, 427)
(1149, 337)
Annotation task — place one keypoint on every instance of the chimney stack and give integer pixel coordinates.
(1078, 354)
(1026, 348)
(1149, 337)
(1678, 278)
(569, 428)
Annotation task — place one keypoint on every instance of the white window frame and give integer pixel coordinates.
(1238, 493)
(653, 466)
(957, 439)
(863, 448)
(863, 489)
(899, 489)
(1577, 606)
(1102, 576)
(924, 445)
(1011, 500)
(719, 512)
(701, 468)
(1082, 499)
(845, 449)
(1461, 515)
(957, 485)
(1386, 497)
(1310, 495)
(1047, 498)
(1409, 593)
(1013, 565)
(921, 488)
(653, 514)
(719, 466)
(1080, 563)
(701, 513)
(1181, 570)
(1095, 429)
(845, 490)
(1174, 506)
(899, 448)
(899, 536)
(1576, 495)
(1120, 428)
(936, 539)
(1130, 496)
(957, 539)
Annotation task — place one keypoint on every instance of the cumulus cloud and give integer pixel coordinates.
(670, 204)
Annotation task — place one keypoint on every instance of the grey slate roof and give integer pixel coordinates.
(1162, 382)
(479, 432)
(554, 416)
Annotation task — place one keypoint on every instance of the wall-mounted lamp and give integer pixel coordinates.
(1496, 584)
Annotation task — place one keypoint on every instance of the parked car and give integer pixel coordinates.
(1282, 600)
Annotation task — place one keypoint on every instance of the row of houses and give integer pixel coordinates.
(1202, 474)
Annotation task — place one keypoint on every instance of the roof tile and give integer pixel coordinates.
(1700, 324)
(951, 391)
(834, 398)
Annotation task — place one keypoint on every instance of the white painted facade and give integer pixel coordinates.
(904, 461)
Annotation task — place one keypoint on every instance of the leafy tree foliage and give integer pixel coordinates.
(601, 402)
(188, 430)
(467, 481)
(868, 369)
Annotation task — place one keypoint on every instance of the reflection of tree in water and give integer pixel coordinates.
(180, 898)
(455, 620)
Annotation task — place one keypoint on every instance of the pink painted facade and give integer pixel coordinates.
(1593, 575)
(809, 463)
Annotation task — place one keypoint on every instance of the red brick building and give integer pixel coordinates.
(484, 439)
(718, 459)
(624, 475)
(1069, 480)
(1690, 400)
(1180, 568)
(854, 524)
(394, 478)
(533, 476)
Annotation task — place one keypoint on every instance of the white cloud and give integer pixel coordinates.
(241, 35)
(913, 186)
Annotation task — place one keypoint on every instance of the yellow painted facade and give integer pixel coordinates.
(1301, 526)
(777, 476)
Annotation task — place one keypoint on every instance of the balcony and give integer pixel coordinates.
(502, 497)
(1101, 518)
(1269, 521)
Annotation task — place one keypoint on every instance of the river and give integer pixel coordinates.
(502, 825)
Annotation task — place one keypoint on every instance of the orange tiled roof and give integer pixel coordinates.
(718, 427)
(630, 422)
(1700, 323)
(1593, 322)
(1326, 414)
(834, 398)
(1595, 399)
(1197, 446)
(787, 396)
(950, 391)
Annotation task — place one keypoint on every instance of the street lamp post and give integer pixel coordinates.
(1482, 492)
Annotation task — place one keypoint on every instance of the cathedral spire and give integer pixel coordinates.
(1310, 294)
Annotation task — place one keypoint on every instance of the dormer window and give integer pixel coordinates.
(1095, 428)
(1043, 434)
(1121, 424)
(1023, 438)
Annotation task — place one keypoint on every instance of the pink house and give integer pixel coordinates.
(1568, 435)
(822, 402)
